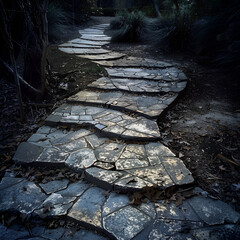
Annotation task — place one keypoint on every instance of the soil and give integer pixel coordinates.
(202, 128)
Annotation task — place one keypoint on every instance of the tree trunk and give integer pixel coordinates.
(8, 38)
(155, 4)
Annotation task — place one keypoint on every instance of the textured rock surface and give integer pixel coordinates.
(113, 215)
(116, 150)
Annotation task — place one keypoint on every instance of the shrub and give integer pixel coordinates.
(218, 37)
(129, 27)
(169, 32)
(57, 21)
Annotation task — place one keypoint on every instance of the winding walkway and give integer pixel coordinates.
(115, 142)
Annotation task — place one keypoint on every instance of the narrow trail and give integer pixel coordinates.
(109, 133)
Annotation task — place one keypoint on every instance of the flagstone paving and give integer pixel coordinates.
(148, 106)
(106, 56)
(108, 133)
(135, 62)
(137, 86)
(112, 213)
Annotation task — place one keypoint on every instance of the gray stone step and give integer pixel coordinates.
(135, 62)
(109, 122)
(91, 31)
(148, 106)
(88, 42)
(84, 50)
(112, 213)
(95, 37)
(111, 165)
(77, 45)
(110, 56)
(138, 86)
(168, 74)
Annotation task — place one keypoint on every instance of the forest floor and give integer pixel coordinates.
(202, 129)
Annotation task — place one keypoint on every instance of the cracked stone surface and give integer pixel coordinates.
(80, 51)
(107, 56)
(80, 42)
(77, 45)
(109, 164)
(138, 86)
(168, 74)
(148, 106)
(118, 152)
(109, 122)
(113, 215)
(135, 62)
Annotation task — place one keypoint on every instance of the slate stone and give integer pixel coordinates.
(80, 51)
(88, 208)
(125, 223)
(106, 166)
(95, 37)
(114, 202)
(171, 211)
(136, 62)
(13, 233)
(88, 42)
(107, 56)
(158, 149)
(55, 205)
(101, 177)
(148, 208)
(156, 175)
(213, 212)
(95, 141)
(74, 189)
(27, 152)
(52, 155)
(78, 45)
(82, 235)
(73, 146)
(177, 170)
(109, 152)
(54, 186)
(130, 183)
(81, 159)
(8, 182)
(148, 106)
(169, 74)
(53, 234)
(170, 229)
(44, 130)
(123, 164)
(221, 232)
(24, 197)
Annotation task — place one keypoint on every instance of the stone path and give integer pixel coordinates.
(109, 134)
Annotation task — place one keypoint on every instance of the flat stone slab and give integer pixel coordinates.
(78, 45)
(80, 51)
(95, 37)
(148, 106)
(135, 62)
(91, 31)
(22, 196)
(138, 86)
(134, 166)
(109, 122)
(168, 74)
(88, 42)
(107, 56)
(113, 215)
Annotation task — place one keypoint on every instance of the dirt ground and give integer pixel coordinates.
(202, 128)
